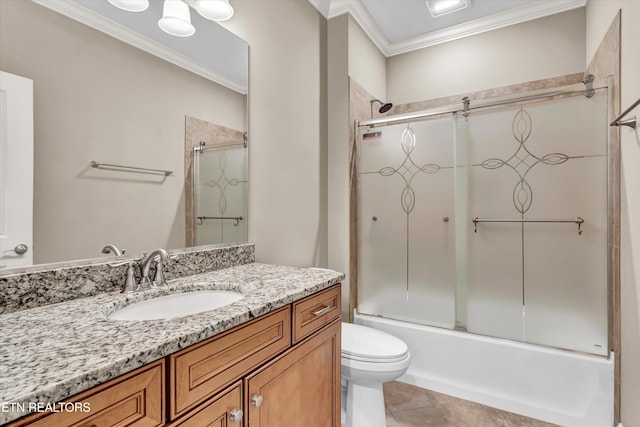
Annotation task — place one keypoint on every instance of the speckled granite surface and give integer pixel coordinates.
(48, 284)
(52, 352)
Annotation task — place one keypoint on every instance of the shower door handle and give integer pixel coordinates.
(20, 249)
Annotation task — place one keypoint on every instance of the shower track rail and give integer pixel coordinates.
(577, 220)
(467, 108)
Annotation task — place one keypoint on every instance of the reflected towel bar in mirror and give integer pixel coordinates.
(237, 219)
(95, 164)
(576, 220)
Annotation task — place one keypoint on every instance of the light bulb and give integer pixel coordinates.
(131, 5)
(215, 10)
(176, 19)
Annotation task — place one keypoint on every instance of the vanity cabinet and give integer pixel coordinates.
(204, 369)
(279, 370)
(133, 399)
(299, 387)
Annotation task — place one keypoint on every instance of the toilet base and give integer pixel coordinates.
(364, 404)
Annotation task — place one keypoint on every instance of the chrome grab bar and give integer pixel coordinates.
(577, 220)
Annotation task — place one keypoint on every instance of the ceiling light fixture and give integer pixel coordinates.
(176, 16)
(131, 5)
(176, 19)
(215, 10)
(442, 7)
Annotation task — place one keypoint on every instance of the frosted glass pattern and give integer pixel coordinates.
(221, 191)
(406, 249)
(542, 283)
(495, 223)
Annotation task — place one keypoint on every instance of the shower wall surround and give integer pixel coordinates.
(54, 283)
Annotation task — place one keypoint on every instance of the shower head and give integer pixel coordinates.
(384, 107)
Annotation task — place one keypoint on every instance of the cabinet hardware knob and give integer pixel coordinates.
(322, 311)
(236, 415)
(256, 400)
(20, 249)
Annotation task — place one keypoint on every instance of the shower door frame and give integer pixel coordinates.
(613, 194)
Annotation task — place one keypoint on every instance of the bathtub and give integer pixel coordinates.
(560, 387)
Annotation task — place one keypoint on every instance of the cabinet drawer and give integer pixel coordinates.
(203, 370)
(218, 412)
(314, 312)
(134, 399)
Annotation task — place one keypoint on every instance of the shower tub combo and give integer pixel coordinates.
(485, 243)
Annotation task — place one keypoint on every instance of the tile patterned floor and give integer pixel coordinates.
(410, 406)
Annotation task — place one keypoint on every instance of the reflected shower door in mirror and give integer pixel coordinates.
(104, 99)
(220, 190)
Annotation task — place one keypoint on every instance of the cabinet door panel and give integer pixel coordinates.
(301, 387)
(217, 412)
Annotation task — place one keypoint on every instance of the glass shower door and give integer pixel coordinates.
(220, 195)
(406, 268)
(536, 258)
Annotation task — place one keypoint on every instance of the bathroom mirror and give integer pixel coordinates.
(112, 89)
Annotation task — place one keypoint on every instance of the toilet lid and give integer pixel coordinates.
(364, 343)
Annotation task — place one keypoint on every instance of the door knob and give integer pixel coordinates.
(256, 400)
(19, 249)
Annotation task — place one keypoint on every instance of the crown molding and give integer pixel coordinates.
(124, 34)
(332, 8)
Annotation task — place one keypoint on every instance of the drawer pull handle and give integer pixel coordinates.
(323, 310)
(236, 415)
(256, 400)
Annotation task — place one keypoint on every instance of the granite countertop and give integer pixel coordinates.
(50, 353)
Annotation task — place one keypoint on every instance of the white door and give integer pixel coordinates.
(16, 171)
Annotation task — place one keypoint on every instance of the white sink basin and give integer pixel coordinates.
(175, 305)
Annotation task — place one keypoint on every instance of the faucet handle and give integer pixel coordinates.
(159, 279)
(130, 284)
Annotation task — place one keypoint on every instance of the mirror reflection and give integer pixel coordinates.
(99, 99)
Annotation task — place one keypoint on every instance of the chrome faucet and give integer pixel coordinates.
(159, 255)
(112, 249)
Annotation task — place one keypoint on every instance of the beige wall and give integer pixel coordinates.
(367, 65)
(96, 98)
(338, 149)
(287, 129)
(547, 47)
(599, 15)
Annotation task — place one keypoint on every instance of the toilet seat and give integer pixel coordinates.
(363, 344)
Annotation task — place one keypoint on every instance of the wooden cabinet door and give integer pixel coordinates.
(222, 411)
(301, 387)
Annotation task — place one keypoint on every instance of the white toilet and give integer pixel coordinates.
(369, 358)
